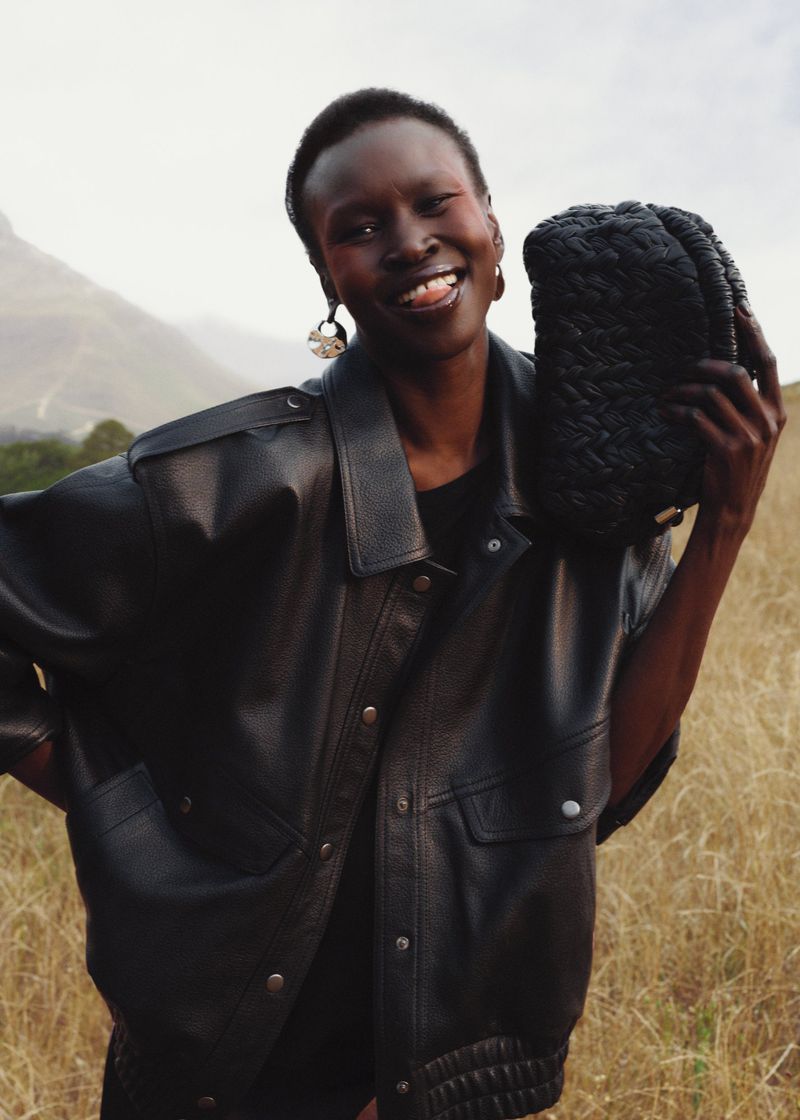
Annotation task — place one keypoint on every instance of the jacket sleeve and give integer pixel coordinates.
(76, 578)
(649, 568)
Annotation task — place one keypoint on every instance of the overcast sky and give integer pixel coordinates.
(145, 142)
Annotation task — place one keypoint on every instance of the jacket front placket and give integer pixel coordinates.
(400, 854)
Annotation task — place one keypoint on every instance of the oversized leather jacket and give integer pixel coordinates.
(240, 620)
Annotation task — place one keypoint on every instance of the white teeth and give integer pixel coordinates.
(446, 281)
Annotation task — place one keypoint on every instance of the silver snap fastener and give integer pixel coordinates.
(294, 401)
(403, 804)
(402, 943)
(494, 545)
(206, 1104)
(275, 982)
(402, 1086)
(325, 852)
(422, 583)
(185, 805)
(369, 716)
(571, 810)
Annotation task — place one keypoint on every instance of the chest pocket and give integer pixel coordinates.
(560, 794)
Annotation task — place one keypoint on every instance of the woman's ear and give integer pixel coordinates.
(328, 287)
(497, 236)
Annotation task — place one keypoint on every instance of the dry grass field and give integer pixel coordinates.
(694, 1009)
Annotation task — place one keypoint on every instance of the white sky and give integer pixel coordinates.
(145, 142)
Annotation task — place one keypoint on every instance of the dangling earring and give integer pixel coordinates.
(500, 285)
(328, 345)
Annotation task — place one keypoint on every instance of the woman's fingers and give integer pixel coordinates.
(738, 423)
(369, 1112)
(762, 408)
(712, 401)
(764, 361)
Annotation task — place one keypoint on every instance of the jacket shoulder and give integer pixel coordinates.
(258, 410)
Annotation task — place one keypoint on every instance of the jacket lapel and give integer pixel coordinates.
(380, 505)
(511, 389)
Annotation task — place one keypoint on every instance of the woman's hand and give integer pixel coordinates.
(370, 1111)
(738, 425)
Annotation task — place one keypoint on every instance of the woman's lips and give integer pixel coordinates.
(430, 295)
(428, 291)
(440, 293)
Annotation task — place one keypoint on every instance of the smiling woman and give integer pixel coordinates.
(342, 860)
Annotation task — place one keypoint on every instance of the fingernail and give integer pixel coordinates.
(746, 309)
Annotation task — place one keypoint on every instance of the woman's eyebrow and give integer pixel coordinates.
(433, 183)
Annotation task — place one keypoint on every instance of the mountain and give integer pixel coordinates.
(73, 353)
(270, 362)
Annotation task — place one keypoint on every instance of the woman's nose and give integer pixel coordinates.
(411, 242)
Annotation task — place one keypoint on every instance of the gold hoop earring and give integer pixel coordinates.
(500, 285)
(328, 345)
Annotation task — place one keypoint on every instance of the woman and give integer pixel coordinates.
(450, 685)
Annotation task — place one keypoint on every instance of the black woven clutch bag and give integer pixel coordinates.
(625, 299)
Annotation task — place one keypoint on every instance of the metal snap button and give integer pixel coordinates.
(494, 545)
(294, 401)
(185, 805)
(369, 716)
(571, 810)
(275, 982)
(402, 943)
(206, 1103)
(325, 852)
(422, 583)
(403, 804)
(402, 1086)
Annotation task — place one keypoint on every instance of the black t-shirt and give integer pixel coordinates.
(328, 1040)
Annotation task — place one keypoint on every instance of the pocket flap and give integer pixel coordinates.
(224, 819)
(561, 794)
(222, 816)
(108, 804)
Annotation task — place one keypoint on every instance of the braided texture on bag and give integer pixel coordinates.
(625, 300)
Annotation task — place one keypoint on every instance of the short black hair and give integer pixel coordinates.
(343, 117)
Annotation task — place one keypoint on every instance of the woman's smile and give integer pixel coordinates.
(429, 292)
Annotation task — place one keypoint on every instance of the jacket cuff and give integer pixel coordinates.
(614, 816)
(28, 716)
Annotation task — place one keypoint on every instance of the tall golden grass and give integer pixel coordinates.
(694, 1008)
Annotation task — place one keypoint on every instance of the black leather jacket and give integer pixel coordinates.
(240, 621)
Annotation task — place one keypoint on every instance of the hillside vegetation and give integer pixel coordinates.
(694, 1006)
(34, 464)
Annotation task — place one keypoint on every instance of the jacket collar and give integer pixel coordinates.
(383, 526)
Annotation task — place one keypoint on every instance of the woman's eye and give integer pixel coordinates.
(434, 203)
(357, 232)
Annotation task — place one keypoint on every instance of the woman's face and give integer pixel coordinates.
(404, 241)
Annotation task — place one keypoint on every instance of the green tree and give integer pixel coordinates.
(107, 438)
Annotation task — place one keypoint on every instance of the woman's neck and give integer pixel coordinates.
(439, 411)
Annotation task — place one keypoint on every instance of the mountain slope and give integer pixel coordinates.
(72, 353)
